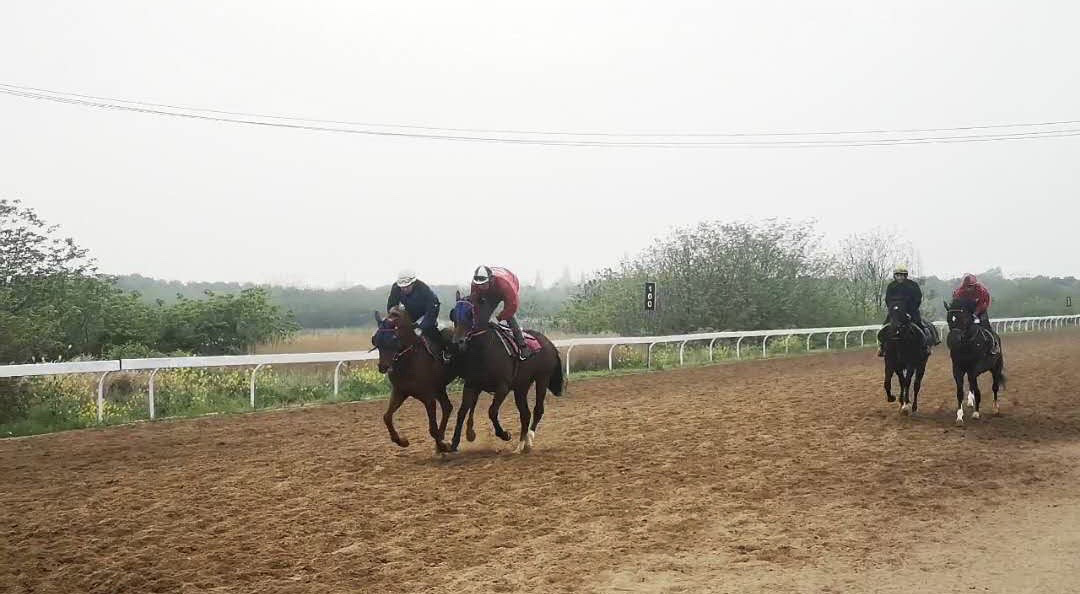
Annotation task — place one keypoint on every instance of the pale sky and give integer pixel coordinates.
(190, 200)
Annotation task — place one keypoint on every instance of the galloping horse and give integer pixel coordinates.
(413, 371)
(971, 346)
(905, 355)
(489, 364)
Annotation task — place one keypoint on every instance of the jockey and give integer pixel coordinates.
(499, 284)
(906, 290)
(420, 301)
(971, 288)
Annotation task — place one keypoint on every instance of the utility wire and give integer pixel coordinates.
(883, 137)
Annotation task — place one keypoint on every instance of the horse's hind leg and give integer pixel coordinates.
(470, 432)
(493, 413)
(997, 375)
(396, 399)
(447, 407)
(521, 399)
(433, 426)
(919, 372)
(538, 408)
(469, 396)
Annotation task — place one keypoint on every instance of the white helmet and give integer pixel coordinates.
(481, 276)
(405, 278)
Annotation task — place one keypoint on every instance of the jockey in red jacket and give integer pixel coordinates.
(971, 288)
(499, 284)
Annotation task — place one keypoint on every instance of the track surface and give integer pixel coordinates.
(780, 475)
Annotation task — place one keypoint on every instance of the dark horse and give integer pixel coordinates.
(415, 371)
(971, 348)
(487, 366)
(906, 353)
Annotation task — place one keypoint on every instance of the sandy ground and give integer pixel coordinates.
(775, 476)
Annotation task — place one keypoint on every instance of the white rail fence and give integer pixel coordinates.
(257, 362)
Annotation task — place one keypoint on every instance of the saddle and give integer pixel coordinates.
(988, 335)
(506, 336)
(929, 333)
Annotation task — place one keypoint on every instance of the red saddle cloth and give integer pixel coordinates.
(507, 336)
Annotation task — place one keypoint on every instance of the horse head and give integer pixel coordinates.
(961, 314)
(899, 319)
(393, 333)
(462, 315)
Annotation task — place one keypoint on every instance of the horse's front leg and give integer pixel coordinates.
(974, 397)
(958, 375)
(905, 390)
(396, 399)
(521, 399)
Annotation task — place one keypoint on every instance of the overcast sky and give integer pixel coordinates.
(191, 200)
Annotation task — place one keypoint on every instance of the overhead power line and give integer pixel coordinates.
(784, 139)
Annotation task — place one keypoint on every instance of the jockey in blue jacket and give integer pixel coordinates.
(420, 301)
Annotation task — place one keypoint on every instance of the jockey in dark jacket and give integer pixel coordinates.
(907, 291)
(420, 301)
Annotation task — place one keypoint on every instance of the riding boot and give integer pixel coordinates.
(519, 338)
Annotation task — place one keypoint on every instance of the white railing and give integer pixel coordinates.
(256, 362)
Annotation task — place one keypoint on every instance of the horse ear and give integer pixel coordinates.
(946, 304)
(457, 295)
(378, 318)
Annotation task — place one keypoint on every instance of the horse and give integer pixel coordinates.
(971, 346)
(414, 370)
(906, 353)
(489, 365)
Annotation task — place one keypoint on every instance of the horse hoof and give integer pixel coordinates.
(905, 410)
(402, 442)
(470, 435)
(997, 411)
(976, 415)
(890, 398)
(505, 436)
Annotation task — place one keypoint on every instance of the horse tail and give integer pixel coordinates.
(558, 380)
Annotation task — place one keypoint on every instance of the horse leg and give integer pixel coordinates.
(470, 433)
(469, 396)
(493, 413)
(447, 407)
(538, 408)
(958, 375)
(888, 382)
(433, 426)
(396, 400)
(905, 389)
(974, 396)
(919, 372)
(997, 375)
(521, 399)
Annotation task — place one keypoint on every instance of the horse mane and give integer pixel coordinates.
(963, 303)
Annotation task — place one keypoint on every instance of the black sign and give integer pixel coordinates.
(650, 296)
(1068, 302)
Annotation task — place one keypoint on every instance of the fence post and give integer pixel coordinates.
(738, 354)
(682, 347)
(568, 349)
(101, 397)
(610, 363)
(253, 372)
(808, 341)
(827, 337)
(845, 339)
(337, 372)
(150, 395)
(648, 359)
(764, 351)
(711, 349)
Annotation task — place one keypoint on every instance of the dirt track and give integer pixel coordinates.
(782, 475)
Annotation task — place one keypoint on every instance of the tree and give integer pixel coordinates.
(865, 265)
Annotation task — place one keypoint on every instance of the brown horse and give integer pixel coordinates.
(414, 371)
(487, 366)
